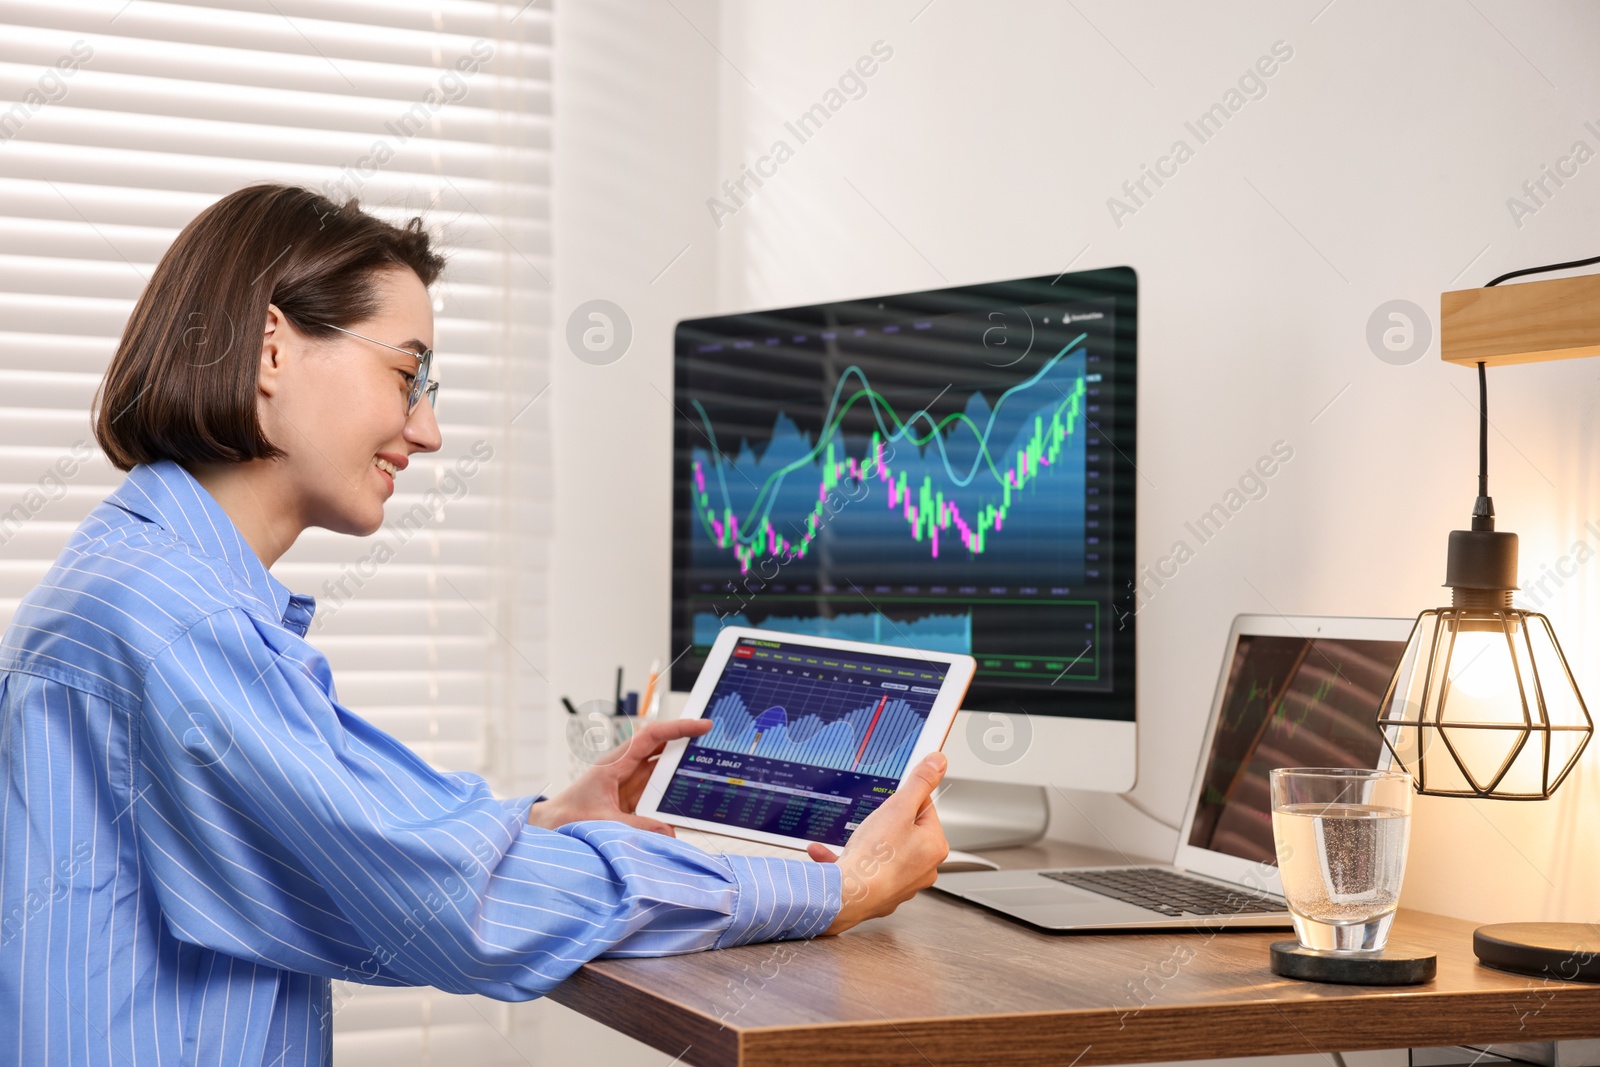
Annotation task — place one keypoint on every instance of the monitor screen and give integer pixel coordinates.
(1287, 702)
(805, 741)
(949, 470)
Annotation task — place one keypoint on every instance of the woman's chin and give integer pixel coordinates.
(371, 524)
(364, 523)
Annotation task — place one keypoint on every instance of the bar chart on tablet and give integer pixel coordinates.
(840, 725)
(804, 741)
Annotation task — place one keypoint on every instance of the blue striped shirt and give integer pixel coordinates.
(198, 837)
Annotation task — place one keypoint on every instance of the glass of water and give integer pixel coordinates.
(1341, 835)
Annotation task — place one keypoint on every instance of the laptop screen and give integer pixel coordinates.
(1287, 702)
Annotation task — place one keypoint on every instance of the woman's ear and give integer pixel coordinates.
(273, 338)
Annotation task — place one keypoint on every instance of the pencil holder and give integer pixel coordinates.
(595, 731)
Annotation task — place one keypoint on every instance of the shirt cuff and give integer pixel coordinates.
(780, 899)
(519, 805)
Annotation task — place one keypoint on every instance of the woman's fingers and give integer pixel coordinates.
(648, 740)
(636, 761)
(821, 853)
(632, 787)
(918, 787)
(659, 733)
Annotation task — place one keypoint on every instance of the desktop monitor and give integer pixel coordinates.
(948, 470)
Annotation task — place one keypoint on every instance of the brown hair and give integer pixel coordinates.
(182, 385)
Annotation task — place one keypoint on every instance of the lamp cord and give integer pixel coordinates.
(1483, 507)
(1483, 431)
(1541, 270)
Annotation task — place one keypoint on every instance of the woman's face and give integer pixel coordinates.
(337, 408)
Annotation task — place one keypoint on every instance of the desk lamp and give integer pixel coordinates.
(1483, 703)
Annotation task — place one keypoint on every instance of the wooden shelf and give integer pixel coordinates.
(1521, 322)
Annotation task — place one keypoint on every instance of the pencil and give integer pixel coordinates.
(650, 686)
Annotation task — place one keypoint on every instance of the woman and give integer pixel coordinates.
(198, 836)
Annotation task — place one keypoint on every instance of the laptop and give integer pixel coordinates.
(1293, 692)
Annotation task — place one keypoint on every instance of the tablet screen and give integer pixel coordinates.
(805, 741)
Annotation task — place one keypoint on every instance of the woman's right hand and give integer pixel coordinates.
(895, 852)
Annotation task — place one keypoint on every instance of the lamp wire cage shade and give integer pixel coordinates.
(1484, 704)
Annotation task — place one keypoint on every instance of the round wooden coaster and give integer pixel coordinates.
(1394, 965)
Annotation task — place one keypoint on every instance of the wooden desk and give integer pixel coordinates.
(942, 982)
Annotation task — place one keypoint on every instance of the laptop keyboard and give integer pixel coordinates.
(1169, 892)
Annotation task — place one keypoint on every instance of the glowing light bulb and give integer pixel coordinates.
(1481, 669)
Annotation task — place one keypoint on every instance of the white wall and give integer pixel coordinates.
(1377, 166)
(635, 141)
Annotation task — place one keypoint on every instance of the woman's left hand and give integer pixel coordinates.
(611, 788)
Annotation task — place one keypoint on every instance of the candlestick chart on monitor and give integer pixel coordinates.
(908, 480)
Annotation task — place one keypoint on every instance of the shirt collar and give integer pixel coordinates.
(169, 496)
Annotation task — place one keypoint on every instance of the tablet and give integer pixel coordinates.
(809, 735)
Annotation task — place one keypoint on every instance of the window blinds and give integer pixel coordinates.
(119, 122)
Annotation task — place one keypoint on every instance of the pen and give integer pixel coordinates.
(617, 707)
(570, 709)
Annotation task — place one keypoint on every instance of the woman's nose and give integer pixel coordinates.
(422, 428)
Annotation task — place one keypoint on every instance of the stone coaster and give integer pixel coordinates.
(1394, 965)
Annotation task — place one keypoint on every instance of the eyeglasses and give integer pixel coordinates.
(420, 384)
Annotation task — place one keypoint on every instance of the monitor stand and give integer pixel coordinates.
(977, 815)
